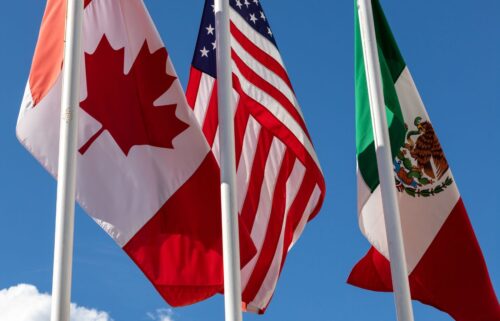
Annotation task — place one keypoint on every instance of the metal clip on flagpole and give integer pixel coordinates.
(385, 163)
(230, 236)
(65, 207)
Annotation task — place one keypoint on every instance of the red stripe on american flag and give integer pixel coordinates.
(296, 211)
(251, 203)
(294, 216)
(265, 86)
(273, 230)
(277, 128)
(212, 117)
(322, 187)
(240, 126)
(260, 55)
(193, 86)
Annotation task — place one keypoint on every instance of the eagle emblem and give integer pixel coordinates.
(420, 164)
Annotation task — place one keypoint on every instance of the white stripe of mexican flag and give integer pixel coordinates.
(421, 218)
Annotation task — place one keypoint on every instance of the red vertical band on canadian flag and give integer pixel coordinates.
(49, 52)
(187, 231)
(451, 276)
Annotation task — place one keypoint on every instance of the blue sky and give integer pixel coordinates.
(452, 50)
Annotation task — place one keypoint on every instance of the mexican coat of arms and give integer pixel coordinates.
(420, 164)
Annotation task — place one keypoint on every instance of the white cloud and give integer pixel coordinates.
(161, 315)
(23, 302)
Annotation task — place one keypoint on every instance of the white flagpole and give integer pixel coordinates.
(385, 163)
(65, 207)
(230, 236)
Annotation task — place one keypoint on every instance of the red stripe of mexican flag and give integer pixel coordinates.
(445, 264)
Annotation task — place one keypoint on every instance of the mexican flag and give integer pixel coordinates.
(445, 264)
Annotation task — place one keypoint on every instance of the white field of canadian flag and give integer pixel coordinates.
(142, 156)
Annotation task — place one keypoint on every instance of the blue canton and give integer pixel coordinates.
(205, 53)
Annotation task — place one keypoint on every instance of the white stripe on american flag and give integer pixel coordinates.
(277, 110)
(265, 73)
(215, 147)
(311, 205)
(258, 232)
(292, 184)
(255, 37)
(292, 187)
(204, 91)
(246, 159)
(215, 144)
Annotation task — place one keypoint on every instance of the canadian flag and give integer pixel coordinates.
(145, 172)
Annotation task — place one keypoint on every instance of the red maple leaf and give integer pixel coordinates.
(123, 104)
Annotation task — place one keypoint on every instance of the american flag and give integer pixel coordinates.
(279, 180)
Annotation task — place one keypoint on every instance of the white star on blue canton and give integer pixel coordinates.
(214, 45)
(262, 16)
(204, 52)
(246, 3)
(210, 29)
(256, 2)
(238, 4)
(269, 32)
(253, 18)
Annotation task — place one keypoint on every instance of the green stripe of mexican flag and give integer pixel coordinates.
(392, 66)
(445, 264)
